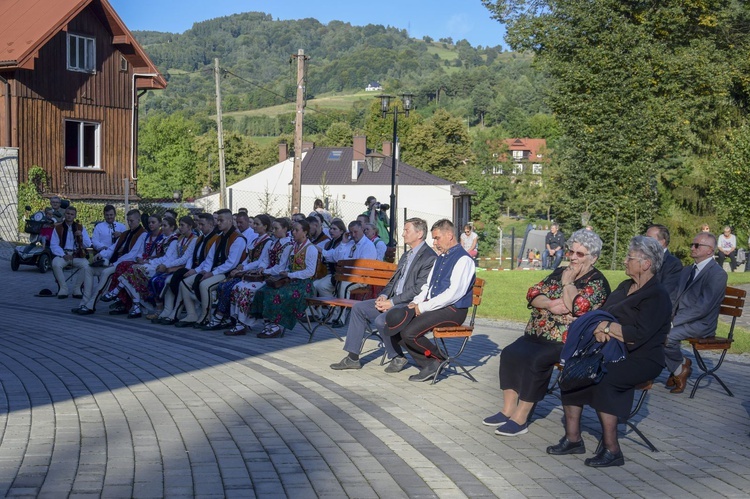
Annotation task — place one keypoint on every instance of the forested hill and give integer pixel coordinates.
(256, 50)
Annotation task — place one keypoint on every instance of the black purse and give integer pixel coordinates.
(583, 368)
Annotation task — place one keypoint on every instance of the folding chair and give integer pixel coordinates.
(734, 301)
(442, 333)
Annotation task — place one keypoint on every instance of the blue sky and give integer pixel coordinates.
(436, 18)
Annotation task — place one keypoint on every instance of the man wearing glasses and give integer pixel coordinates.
(695, 312)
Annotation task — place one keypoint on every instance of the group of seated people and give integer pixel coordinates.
(261, 268)
(645, 318)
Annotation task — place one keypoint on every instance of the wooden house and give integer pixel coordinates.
(70, 77)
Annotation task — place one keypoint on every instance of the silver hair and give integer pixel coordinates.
(588, 239)
(650, 249)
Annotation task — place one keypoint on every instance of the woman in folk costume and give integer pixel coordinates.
(134, 279)
(176, 257)
(251, 265)
(271, 262)
(151, 247)
(283, 306)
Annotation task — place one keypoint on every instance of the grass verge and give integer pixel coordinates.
(505, 298)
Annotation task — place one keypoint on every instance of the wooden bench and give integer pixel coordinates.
(732, 305)
(358, 271)
(442, 333)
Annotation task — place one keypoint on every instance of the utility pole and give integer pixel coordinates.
(297, 171)
(220, 129)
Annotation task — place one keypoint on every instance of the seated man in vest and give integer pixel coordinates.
(126, 249)
(68, 245)
(225, 254)
(107, 232)
(443, 301)
(173, 295)
(411, 274)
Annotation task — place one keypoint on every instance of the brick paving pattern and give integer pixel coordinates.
(112, 407)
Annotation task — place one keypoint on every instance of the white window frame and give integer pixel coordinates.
(82, 124)
(497, 170)
(536, 168)
(518, 155)
(518, 169)
(84, 47)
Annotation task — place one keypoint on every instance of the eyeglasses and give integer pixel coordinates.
(628, 258)
(579, 254)
(698, 245)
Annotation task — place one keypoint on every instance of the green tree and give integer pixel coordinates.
(481, 99)
(637, 88)
(440, 146)
(166, 157)
(732, 174)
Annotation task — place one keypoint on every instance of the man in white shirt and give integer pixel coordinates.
(245, 228)
(226, 254)
(444, 301)
(107, 232)
(68, 245)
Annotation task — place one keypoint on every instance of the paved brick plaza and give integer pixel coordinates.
(113, 407)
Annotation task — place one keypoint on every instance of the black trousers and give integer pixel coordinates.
(405, 327)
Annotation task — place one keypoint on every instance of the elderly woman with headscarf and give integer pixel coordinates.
(642, 309)
(526, 365)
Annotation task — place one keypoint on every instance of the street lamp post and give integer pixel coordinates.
(385, 100)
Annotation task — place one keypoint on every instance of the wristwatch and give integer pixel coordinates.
(606, 328)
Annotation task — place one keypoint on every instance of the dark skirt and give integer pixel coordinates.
(283, 306)
(614, 393)
(526, 366)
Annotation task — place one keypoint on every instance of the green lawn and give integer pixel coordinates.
(505, 298)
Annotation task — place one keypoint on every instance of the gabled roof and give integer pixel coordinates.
(27, 25)
(534, 146)
(336, 164)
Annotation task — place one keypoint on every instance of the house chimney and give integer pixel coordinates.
(387, 148)
(360, 148)
(307, 146)
(283, 152)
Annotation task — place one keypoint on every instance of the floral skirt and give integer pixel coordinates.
(283, 306)
(137, 276)
(241, 300)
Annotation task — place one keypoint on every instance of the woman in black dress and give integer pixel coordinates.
(526, 365)
(643, 311)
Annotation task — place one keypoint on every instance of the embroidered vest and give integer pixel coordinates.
(441, 275)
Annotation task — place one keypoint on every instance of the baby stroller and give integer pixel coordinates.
(37, 252)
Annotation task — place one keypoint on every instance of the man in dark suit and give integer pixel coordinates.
(411, 274)
(695, 312)
(671, 267)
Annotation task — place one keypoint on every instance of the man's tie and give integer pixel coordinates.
(692, 276)
(351, 251)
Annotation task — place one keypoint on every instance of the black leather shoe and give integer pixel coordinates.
(184, 324)
(426, 373)
(165, 321)
(567, 447)
(77, 296)
(605, 459)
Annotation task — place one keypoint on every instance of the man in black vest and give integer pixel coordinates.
(68, 245)
(411, 274)
(223, 256)
(444, 301)
(127, 248)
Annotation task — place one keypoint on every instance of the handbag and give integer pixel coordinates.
(253, 277)
(583, 368)
(277, 281)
